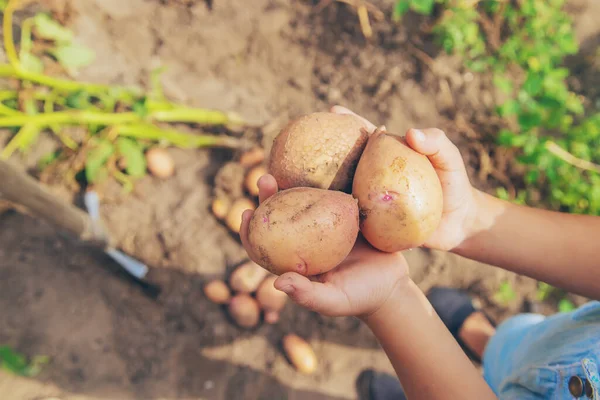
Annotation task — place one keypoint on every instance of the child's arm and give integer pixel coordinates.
(425, 356)
(375, 287)
(553, 247)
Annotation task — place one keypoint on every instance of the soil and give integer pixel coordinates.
(111, 337)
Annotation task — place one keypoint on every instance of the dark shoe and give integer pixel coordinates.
(372, 385)
(454, 306)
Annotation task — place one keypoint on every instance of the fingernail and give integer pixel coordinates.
(419, 135)
(287, 289)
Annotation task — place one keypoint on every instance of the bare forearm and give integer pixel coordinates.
(553, 247)
(427, 359)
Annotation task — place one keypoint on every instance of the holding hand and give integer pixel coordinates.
(359, 286)
(459, 207)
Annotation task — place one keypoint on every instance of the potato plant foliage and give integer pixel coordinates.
(522, 46)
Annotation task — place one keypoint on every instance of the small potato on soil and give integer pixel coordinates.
(244, 310)
(234, 216)
(252, 177)
(252, 157)
(160, 163)
(318, 150)
(247, 277)
(217, 291)
(305, 230)
(220, 207)
(269, 298)
(300, 353)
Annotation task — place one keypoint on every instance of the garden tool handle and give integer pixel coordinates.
(20, 188)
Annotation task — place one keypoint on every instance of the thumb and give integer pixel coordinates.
(434, 144)
(316, 296)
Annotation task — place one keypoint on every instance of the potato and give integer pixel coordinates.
(217, 291)
(318, 150)
(305, 230)
(220, 207)
(247, 277)
(300, 353)
(271, 317)
(159, 162)
(244, 310)
(269, 298)
(252, 157)
(234, 216)
(399, 194)
(252, 177)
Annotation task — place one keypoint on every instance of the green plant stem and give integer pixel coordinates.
(9, 44)
(65, 85)
(70, 118)
(192, 115)
(180, 139)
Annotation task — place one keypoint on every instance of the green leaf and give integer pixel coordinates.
(424, 7)
(49, 29)
(31, 63)
(3, 4)
(505, 293)
(533, 84)
(565, 305)
(503, 83)
(96, 160)
(17, 364)
(134, 156)
(532, 176)
(543, 291)
(72, 56)
(140, 107)
(400, 8)
(79, 100)
(509, 108)
(529, 120)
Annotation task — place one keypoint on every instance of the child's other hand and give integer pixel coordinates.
(459, 202)
(359, 286)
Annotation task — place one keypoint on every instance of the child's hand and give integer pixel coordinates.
(459, 203)
(359, 286)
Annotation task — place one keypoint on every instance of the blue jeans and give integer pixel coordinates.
(534, 357)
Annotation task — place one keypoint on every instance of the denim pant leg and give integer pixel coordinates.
(499, 352)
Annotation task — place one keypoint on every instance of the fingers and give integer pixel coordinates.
(316, 296)
(344, 110)
(434, 144)
(267, 187)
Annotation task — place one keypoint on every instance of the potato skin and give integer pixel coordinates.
(399, 194)
(305, 230)
(318, 150)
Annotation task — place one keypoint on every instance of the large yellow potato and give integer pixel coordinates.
(318, 150)
(399, 194)
(305, 230)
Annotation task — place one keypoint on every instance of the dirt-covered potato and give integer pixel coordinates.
(252, 177)
(244, 310)
(217, 291)
(300, 353)
(305, 230)
(399, 194)
(159, 162)
(318, 150)
(247, 277)
(220, 207)
(234, 215)
(269, 298)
